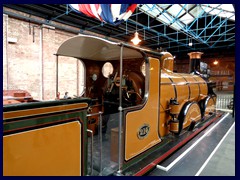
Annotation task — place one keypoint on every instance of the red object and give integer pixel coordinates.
(58, 95)
(110, 13)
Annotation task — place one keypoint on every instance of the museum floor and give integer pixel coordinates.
(211, 153)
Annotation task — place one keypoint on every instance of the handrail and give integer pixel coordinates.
(233, 109)
(90, 131)
(94, 114)
(100, 137)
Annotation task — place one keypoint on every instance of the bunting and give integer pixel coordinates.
(110, 13)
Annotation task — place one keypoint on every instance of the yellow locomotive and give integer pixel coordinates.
(132, 114)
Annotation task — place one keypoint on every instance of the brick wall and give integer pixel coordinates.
(30, 64)
(223, 73)
(5, 19)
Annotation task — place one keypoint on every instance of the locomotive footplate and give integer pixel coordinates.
(170, 146)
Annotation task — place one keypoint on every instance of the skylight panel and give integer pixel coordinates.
(165, 18)
(153, 14)
(175, 9)
(149, 5)
(226, 14)
(164, 6)
(228, 7)
(151, 9)
(213, 5)
(188, 6)
(177, 25)
(223, 10)
(215, 11)
(196, 11)
(207, 9)
(155, 11)
(233, 18)
(144, 7)
(186, 19)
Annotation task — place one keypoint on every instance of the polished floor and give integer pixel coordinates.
(222, 163)
(212, 153)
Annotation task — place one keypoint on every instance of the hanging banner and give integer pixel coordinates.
(110, 13)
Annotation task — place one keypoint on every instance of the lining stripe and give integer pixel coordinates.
(182, 83)
(46, 110)
(198, 88)
(175, 89)
(189, 89)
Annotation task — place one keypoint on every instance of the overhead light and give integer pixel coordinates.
(215, 62)
(136, 39)
(190, 42)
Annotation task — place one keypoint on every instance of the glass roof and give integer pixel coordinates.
(222, 10)
(176, 10)
(179, 16)
(187, 18)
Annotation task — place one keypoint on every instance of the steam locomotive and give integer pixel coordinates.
(135, 111)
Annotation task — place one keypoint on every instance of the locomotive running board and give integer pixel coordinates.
(170, 148)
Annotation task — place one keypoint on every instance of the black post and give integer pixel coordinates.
(233, 108)
(194, 62)
(194, 65)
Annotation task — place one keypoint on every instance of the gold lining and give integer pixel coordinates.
(40, 111)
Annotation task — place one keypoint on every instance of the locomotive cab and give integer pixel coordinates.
(138, 108)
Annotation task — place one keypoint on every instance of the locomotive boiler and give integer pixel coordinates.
(183, 94)
(132, 113)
